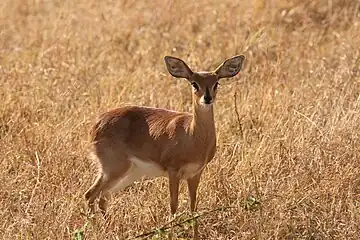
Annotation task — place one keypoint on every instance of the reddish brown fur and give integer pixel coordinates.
(158, 135)
(176, 143)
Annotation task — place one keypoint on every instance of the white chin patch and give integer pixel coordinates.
(206, 106)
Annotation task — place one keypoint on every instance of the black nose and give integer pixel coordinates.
(207, 99)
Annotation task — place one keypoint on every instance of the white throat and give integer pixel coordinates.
(205, 107)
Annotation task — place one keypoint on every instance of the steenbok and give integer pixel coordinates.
(133, 141)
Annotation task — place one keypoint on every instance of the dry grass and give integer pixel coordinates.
(294, 145)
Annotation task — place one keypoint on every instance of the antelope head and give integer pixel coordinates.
(204, 84)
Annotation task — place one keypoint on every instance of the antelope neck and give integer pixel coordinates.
(203, 120)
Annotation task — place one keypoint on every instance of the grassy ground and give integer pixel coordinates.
(288, 156)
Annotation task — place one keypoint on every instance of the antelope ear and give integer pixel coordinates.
(230, 67)
(177, 67)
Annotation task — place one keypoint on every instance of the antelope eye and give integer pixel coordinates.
(196, 87)
(216, 86)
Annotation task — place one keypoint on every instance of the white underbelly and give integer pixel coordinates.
(147, 168)
(138, 170)
(190, 170)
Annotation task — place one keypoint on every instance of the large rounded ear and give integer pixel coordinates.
(177, 67)
(230, 67)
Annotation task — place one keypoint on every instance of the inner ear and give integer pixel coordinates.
(230, 67)
(177, 67)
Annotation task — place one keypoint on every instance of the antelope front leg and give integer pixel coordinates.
(193, 184)
(174, 198)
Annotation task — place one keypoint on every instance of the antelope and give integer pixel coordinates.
(131, 142)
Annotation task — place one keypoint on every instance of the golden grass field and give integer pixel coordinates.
(288, 158)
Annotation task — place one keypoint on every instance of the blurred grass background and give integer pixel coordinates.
(292, 143)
